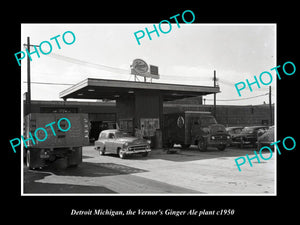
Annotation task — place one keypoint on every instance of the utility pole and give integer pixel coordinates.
(270, 105)
(28, 77)
(28, 97)
(215, 84)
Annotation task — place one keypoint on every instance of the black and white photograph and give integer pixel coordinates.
(149, 112)
(177, 113)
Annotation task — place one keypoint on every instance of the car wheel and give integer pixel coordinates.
(102, 151)
(121, 154)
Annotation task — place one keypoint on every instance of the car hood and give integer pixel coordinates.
(133, 140)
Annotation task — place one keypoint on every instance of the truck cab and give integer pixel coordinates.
(195, 128)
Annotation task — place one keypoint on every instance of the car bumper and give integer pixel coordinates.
(127, 152)
(244, 140)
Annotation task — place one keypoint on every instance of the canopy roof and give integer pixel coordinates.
(112, 89)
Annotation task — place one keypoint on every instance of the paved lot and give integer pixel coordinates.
(186, 172)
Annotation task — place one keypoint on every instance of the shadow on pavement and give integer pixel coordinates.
(86, 169)
(62, 188)
(192, 154)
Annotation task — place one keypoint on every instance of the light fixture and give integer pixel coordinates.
(91, 89)
(130, 92)
(79, 94)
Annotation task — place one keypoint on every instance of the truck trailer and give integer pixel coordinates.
(194, 128)
(61, 142)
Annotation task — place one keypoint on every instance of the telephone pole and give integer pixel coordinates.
(28, 97)
(215, 84)
(270, 105)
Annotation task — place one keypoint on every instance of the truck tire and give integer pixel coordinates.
(61, 163)
(33, 160)
(28, 160)
(75, 158)
(170, 144)
(145, 154)
(221, 147)
(202, 144)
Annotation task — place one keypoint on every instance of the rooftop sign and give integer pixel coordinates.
(140, 68)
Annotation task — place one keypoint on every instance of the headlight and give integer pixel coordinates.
(228, 137)
(149, 142)
(126, 144)
(213, 137)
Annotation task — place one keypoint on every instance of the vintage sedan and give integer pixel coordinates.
(121, 143)
(248, 136)
(234, 131)
(266, 138)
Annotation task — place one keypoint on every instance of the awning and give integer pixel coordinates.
(112, 89)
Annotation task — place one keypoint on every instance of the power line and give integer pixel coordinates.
(85, 63)
(238, 99)
(114, 69)
(47, 83)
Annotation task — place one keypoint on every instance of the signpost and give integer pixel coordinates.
(140, 68)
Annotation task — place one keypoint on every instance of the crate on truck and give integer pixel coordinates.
(64, 148)
(194, 128)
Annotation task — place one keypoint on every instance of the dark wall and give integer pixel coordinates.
(148, 105)
(228, 115)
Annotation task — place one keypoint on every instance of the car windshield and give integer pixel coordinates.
(121, 134)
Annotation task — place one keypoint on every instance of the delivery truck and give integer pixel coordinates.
(54, 137)
(194, 128)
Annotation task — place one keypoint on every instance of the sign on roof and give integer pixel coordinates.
(140, 67)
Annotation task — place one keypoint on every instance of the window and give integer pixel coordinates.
(111, 135)
(103, 135)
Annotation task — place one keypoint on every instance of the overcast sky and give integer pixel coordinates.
(186, 55)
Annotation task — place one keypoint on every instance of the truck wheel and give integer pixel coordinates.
(145, 154)
(75, 158)
(202, 145)
(33, 160)
(221, 147)
(61, 163)
(28, 160)
(170, 144)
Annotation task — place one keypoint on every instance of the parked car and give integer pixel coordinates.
(266, 138)
(233, 132)
(121, 143)
(248, 136)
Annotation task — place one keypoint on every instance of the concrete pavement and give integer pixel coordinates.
(187, 172)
